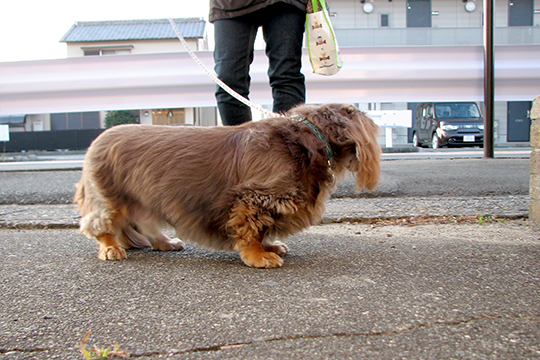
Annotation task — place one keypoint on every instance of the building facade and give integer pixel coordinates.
(117, 38)
(365, 23)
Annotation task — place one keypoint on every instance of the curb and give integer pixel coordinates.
(340, 210)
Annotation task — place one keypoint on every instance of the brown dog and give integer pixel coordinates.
(232, 188)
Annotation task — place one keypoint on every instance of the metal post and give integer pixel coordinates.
(489, 93)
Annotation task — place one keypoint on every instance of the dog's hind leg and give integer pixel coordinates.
(131, 238)
(109, 248)
(164, 243)
(150, 228)
(100, 219)
(154, 238)
(110, 245)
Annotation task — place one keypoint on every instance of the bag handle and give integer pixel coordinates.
(315, 5)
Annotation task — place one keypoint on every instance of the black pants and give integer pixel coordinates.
(283, 29)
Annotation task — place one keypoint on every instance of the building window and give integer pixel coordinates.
(92, 53)
(75, 121)
(385, 20)
(116, 52)
(110, 50)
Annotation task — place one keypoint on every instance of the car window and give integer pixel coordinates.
(430, 111)
(457, 111)
(423, 122)
(419, 112)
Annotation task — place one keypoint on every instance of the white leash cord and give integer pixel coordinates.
(224, 86)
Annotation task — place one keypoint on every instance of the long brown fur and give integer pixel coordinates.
(233, 188)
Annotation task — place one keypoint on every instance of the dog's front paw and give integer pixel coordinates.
(261, 259)
(276, 247)
(112, 253)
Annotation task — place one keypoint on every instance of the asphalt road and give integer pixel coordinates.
(425, 177)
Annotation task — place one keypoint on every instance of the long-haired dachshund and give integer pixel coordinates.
(233, 188)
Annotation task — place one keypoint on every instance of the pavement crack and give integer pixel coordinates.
(24, 350)
(389, 332)
(433, 323)
(312, 337)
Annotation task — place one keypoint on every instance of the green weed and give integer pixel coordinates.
(100, 353)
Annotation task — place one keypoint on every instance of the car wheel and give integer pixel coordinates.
(415, 140)
(435, 142)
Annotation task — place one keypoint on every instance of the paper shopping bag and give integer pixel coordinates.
(322, 44)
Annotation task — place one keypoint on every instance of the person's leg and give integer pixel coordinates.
(283, 29)
(233, 55)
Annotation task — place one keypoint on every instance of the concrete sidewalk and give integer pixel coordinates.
(346, 291)
(440, 278)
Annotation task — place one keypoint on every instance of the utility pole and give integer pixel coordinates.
(489, 79)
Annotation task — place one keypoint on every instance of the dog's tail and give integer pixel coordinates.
(129, 237)
(78, 198)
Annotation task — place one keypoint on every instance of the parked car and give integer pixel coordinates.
(439, 124)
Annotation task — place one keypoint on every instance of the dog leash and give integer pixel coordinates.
(224, 86)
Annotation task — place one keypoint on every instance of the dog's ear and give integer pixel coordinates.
(356, 129)
(313, 146)
(368, 152)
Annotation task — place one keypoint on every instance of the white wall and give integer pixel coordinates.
(145, 116)
(452, 13)
(189, 116)
(45, 119)
(349, 14)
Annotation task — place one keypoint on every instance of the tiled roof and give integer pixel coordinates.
(84, 31)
